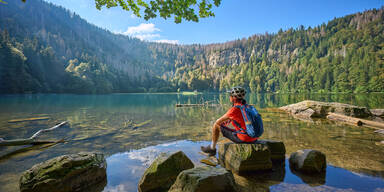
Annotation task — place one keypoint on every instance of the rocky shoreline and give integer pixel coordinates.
(176, 172)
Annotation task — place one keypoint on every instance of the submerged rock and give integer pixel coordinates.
(204, 179)
(163, 172)
(245, 158)
(277, 148)
(377, 112)
(76, 172)
(308, 161)
(309, 109)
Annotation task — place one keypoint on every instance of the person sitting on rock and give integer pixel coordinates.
(237, 135)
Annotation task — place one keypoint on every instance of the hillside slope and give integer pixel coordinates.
(45, 48)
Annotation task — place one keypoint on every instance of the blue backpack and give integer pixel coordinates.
(252, 119)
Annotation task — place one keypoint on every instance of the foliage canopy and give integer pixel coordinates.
(179, 9)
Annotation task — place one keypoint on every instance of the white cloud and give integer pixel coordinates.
(148, 37)
(146, 32)
(167, 41)
(143, 28)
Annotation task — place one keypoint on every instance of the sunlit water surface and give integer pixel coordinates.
(101, 123)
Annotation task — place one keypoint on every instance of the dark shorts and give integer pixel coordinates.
(231, 134)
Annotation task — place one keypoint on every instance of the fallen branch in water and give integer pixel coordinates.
(32, 140)
(355, 121)
(28, 150)
(28, 119)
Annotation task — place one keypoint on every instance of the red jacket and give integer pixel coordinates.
(234, 114)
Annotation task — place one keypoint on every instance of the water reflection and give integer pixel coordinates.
(97, 123)
(125, 169)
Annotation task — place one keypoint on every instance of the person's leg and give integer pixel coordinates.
(215, 136)
(211, 149)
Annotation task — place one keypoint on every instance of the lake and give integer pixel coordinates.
(101, 123)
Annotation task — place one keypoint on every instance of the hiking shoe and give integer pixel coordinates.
(208, 150)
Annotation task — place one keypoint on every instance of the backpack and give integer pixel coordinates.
(252, 120)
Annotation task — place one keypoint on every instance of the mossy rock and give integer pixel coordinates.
(163, 172)
(245, 158)
(308, 161)
(204, 179)
(75, 172)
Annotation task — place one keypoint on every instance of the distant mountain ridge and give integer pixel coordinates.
(45, 48)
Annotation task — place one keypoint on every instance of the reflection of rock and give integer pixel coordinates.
(308, 160)
(277, 149)
(377, 112)
(163, 171)
(204, 179)
(309, 109)
(76, 172)
(310, 179)
(261, 181)
(245, 158)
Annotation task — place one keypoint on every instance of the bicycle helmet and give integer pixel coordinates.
(237, 92)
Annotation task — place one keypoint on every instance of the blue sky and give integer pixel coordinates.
(234, 19)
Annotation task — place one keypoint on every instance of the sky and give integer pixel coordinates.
(235, 19)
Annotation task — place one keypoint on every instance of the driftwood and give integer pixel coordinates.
(190, 105)
(30, 150)
(28, 119)
(32, 140)
(355, 121)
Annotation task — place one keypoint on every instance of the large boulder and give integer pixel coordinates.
(245, 158)
(75, 172)
(204, 179)
(163, 172)
(277, 149)
(309, 109)
(308, 161)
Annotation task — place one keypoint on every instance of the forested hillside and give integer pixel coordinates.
(344, 55)
(44, 48)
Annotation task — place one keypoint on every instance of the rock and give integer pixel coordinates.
(244, 158)
(377, 112)
(309, 109)
(277, 148)
(204, 179)
(163, 172)
(381, 143)
(380, 131)
(308, 161)
(75, 172)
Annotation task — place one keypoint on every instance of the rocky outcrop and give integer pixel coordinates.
(377, 112)
(245, 158)
(76, 172)
(308, 161)
(310, 109)
(204, 179)
(277, 149)
(163, 172)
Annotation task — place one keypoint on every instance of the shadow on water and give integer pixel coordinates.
(98, 123)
